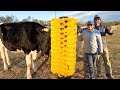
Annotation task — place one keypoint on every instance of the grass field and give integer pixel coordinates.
(18, 68)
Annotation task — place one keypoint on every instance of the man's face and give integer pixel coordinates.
(97, 20)
(90, 27)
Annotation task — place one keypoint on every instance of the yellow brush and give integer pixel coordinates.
(63, 46)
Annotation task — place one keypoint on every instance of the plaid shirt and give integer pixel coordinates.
(103, 31)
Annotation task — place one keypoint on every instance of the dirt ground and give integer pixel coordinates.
(17, 70)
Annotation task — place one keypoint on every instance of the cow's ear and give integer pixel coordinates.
(45, 29)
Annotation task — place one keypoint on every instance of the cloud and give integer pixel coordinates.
(84, 16)
(72, 13)
(87, 14)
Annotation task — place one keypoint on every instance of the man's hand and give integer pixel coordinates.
(112, 28)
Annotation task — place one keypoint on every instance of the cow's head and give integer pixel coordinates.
(46, 44)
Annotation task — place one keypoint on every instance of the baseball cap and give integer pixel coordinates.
(90, 22)
(96, 16)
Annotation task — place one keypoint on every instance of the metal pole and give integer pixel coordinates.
(55, 14)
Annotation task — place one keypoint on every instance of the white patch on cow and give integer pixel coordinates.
(7, 58)
(4, 55)
(28, 62)
(34, 56)
(17, 51)
(2, 50)
(1, 23)
(45, 29)
(1, 43)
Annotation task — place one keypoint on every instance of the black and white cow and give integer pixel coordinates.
(30, 37)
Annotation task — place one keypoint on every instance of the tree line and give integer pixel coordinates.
(9, 19)
(105, 23)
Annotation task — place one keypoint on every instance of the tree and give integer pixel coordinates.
(41, 22)
(48, 22)
(35, 20)
(2, 19)
(27, 19)
(8, 19)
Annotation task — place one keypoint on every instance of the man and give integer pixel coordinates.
(103, 30)
(92, 46)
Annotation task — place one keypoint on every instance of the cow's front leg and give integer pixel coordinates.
(29, 63)
(7, 57)
(34, 56)
(4, 57)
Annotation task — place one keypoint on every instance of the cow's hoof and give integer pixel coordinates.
(29, 77)
(5, 68)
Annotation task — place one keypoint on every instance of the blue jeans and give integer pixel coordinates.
(91, 61)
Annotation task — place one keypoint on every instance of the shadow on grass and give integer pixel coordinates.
(43, 63)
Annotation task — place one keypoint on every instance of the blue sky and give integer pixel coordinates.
(81, 16)
(44, 15)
